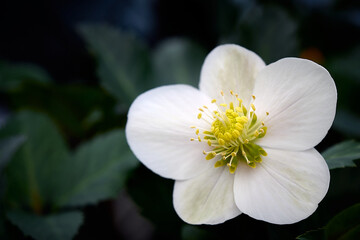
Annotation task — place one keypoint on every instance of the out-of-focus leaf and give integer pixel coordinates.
(69, 106)
(312, 235)
(31, 175)
(44, 175)
(178, 61)
(8, 147)
(268, 31)
(123, 61)
(97, 170)
(60, 226)
(13, 75)
(344, 226)
(342, 155)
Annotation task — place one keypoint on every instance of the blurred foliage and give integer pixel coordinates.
(14, 75)
(62, 140)
(342, 155)
(183, 60)
(61, 226)
(44, 180)
(344, 226)
(123, 61)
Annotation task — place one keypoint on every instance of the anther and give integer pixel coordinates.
(253, 96)
(199, 115)
(210, 155)
(222, 93)
(253, 107)
(213, 101)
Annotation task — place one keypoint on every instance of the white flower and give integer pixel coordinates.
(257, 126)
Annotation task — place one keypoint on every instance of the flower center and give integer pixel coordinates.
(232, 133)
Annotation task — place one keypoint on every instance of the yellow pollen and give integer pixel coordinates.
(232, 132)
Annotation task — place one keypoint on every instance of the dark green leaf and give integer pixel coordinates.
(97, 170)
(342, 155)
(8, 147)
(13, 75)
(312, 235)
(123, 61)
(60, 226)
(345, 224)
(70, 107)
(32, 174)
(178, 61)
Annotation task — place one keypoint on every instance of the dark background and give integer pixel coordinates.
(327, 31)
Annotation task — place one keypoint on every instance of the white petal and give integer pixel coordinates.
(285, 188)
(158, 131)
(300, 96)
(206, 199)
(230, 67)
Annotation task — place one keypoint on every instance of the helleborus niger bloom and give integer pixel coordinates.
(242, 143)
